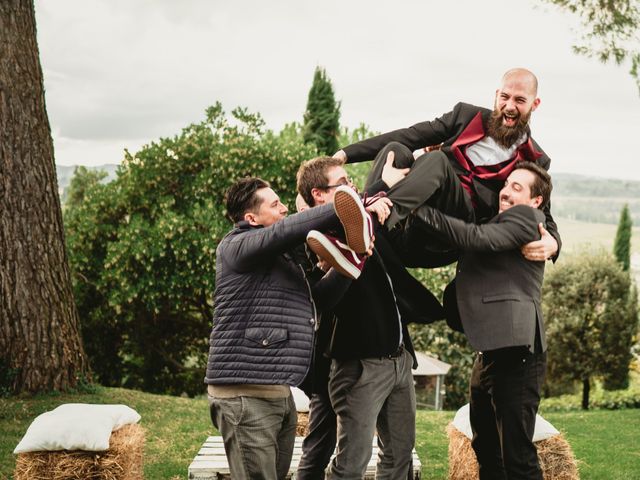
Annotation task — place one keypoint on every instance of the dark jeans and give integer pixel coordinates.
(505, 394)
(318, 445)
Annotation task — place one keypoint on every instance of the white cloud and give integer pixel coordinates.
(121, 73)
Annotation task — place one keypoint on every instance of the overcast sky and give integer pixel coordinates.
(122, 73)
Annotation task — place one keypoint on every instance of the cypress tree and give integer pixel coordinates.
(622, 243)
(322, 115)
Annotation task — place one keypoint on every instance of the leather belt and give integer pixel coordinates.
(397, 353)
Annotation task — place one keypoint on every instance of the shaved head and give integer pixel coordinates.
(523, 76)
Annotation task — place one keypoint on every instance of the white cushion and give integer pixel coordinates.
(301, 400)
(543, 428)
(76, 426)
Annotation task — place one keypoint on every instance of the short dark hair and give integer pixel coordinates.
(542, 185)
(313, 174)
(241, 197)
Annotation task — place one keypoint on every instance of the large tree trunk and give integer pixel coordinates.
(40, 347)
(586, 388)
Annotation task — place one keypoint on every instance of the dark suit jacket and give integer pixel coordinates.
(366, 324)
(498, 290)
(447, 130)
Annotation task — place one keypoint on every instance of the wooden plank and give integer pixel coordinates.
(211, 463)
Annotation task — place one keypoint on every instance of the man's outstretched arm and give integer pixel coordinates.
(516, 227)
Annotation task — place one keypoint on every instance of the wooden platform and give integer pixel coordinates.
(211, 462)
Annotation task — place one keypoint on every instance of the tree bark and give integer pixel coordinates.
(586, 388)
(40, 346)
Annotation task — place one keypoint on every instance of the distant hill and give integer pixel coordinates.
(576, 197)
(594, 199)
(571, 185)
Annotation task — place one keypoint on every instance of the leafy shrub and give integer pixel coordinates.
(142, 247)
(589, 322)
(601, 399)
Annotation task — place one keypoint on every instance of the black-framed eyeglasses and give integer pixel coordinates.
(341, 183)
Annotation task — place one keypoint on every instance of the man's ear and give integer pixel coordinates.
(251, 218)
(536, 201)
(536, 104)
(316, 193)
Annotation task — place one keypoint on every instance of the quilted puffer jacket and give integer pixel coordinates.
(264, 317)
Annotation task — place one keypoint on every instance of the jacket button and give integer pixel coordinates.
(265, 342)
(312, 321)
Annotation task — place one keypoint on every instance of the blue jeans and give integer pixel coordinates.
(258, 435)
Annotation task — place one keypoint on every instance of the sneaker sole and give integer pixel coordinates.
(325, 250)
(353, 217)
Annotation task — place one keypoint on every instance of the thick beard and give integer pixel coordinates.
(503, 135)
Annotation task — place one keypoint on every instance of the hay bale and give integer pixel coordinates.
(556, 458)
(302, 428)
(463, 464)
(123, 460)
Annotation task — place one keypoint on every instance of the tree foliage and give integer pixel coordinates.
(622, 243)
(142, 246)
(610, 30)
(322, 115)
(586, 301)
(83, 179)
(616, 376)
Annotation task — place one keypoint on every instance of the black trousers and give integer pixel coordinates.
(318, 446)
(433, 182)
(505, 394)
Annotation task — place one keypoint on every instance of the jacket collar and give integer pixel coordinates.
(244, 225)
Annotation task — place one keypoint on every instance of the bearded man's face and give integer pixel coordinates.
(515, 101)
(507, 127)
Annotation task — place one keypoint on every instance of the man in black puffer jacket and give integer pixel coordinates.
(263, 327)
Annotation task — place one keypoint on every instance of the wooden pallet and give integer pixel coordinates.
(211, 462)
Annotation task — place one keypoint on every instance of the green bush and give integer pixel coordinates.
(601, 399)
(590, 329)
(142, 247)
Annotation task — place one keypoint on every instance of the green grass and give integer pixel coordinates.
(605, 442)
(175, 427)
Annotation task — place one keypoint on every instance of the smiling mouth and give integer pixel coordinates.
(505, 202)
(510, 118)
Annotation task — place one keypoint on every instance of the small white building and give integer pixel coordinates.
(428, 379)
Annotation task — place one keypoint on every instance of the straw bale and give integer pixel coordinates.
(123, 460)
(302, 428)
(556, 458)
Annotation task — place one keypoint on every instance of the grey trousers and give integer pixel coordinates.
(258, 435)
(370, 394)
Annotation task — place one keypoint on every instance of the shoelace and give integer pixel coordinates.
(358, 258)
(370, 200)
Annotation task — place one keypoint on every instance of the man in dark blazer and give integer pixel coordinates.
(498, 300)
(368, 340)
(479, 148)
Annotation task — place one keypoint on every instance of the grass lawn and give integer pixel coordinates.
(607, 443)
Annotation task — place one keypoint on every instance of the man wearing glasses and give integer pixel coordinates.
(370, 382)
